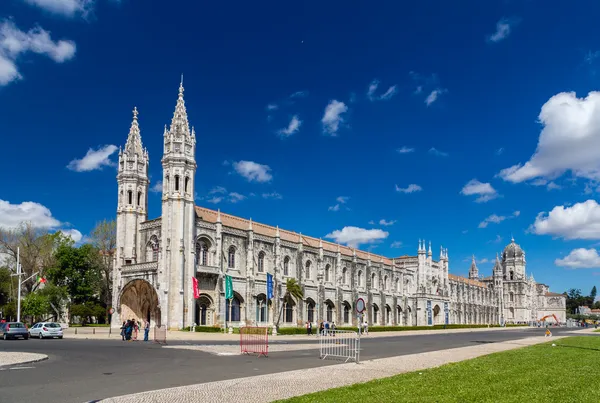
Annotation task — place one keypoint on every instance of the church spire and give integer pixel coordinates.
(134, 139)
(179, 123)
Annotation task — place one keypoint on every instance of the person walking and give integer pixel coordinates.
(146, 330)
(123, 327)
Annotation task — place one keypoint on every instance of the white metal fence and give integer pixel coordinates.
(341, 344)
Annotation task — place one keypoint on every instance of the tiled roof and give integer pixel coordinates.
(270, 231)
(466, 280)
(554, 294)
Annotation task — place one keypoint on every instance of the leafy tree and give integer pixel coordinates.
(104, 238)
(292, 289)
(87, 311)
(593, 293)
(78, 270)
(6, 285)
(35, 304)
(57, 298)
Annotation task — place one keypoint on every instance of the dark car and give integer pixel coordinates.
(12, 330)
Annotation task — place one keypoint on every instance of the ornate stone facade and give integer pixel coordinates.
(156, 260)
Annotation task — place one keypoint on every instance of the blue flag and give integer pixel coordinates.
(269, 286)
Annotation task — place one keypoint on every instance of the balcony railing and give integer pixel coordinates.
(207, 269)
(140, 267)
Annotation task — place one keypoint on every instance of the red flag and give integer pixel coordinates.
(195, 287)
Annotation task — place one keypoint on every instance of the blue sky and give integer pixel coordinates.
(374, 125)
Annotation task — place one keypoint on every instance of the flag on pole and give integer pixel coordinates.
(269, 286)
(228, 287)
(195, 287)
(41, 280)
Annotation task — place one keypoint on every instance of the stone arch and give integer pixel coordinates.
(289, 309)
(204, 249)
(139, 300)
(307, 273)
(310, 309)
(399, 315)
(205, 310)
(388, 315)
(345, 276)
(375, 316)
(347, 312)
(329, 311)
(286, 266)
(436, 314)
(152, 248)
(262, 309)
(234, 308)
(327, 273)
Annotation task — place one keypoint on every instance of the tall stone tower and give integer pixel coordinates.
(178, 219)
(132, 207)
(473, 271)
(513, 261)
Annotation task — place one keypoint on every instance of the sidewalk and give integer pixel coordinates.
(10, 358)
(267, 388)
(175, 335)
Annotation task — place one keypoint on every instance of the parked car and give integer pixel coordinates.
(12, 330)
(46, 329)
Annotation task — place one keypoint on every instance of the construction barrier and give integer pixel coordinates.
(254, 340)
(160, 334)
(340, 344)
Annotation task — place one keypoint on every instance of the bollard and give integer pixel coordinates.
(94, 331)
(109, 331)
(75, 330)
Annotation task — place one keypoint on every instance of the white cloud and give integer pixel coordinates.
(434, 95)
(354, 236)
(503, 29)
(500, 151)
(340, 200)
(412, 188)
(157, 188)
(75, 235)
(391, 91)
(580, 221)
(496, 219)
(405, 150)
(215, 199)
(12, 215)
(272, 107)
(272, 195)
(14, 43)
(299, 94)
(235, 197)
(333, 117)
(569, 140)
(498, 239)
(387, 223)
(253, 171)
(292, 128)
(580, 259)
(217, 190)
(67, 8)
(485, 191)
(396, 244)
(93, 159)
(435, 151)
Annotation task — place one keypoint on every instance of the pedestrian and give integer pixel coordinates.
(146, 330)
(136, 329)
(321, 328)
(123, 327)
(307, 328)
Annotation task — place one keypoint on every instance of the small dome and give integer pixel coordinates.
(512, 250)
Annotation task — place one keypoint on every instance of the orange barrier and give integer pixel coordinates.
(160, 334)
(254, 340)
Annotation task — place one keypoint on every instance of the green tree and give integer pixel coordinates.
(35, 305)
(292, 289)
(78, 271)
(593, 293)
(57, 298)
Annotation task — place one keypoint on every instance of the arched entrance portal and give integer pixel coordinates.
(204, 311)
(436, 315)
(139, 301)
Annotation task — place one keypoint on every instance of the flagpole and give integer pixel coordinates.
(19, 290)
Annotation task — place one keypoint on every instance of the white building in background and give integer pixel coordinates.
(156, 260)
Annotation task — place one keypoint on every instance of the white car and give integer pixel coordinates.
(46, 329)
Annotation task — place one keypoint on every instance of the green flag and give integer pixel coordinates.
(228, 287)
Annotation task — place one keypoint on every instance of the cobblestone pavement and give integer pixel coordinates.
(266, 388)
(234, 349)
(16, 358)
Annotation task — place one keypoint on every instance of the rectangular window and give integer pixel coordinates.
(130, 195)
(177, 183)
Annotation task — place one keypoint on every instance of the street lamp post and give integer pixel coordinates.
(20, 282)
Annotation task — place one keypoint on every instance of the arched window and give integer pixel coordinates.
(202, 253)
(130, 196)
(373, 280)
(286, 266)
(166, 186)
(262, 311)
(187, 182)
(359, 278)
(345, 277)
(139, 203)
(375, 313)
(328, 273)
(231, 258)
(261, 262)
(512, 275)
(329, 312)
(511, 297)
(235, 309)
(397, 285)
(386, 283)
(310, 310)
(308, 270)
(288, 309)
(177, 183)
(346, 312)
(152, 249)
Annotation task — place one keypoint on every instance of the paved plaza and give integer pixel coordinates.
(80, 370)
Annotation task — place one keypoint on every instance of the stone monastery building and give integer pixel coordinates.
(156, 260)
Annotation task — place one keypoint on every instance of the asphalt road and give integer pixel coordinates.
(86, 370)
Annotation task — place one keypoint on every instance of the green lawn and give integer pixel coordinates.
(568, 372)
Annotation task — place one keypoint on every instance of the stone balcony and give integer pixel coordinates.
(205, 269)
(146, 267)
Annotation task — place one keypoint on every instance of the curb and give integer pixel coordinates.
(5, 366)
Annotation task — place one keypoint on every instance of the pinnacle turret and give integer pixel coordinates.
(134, 139)
(179, 124)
